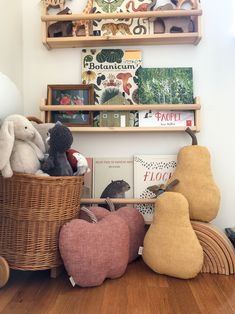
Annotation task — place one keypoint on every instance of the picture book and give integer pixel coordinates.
(165, 85)
(113, 177)
(88, 179)
(149, 171)
(114, 75)
(117, 27)
(170, 118)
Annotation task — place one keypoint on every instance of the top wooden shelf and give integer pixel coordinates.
(122, 40)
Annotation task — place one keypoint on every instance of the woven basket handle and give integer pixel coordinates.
(89, 213)
(34, 119)
(110, 204)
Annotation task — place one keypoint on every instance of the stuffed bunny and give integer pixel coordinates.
(21, 146)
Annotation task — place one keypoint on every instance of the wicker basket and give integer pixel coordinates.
(32, 210)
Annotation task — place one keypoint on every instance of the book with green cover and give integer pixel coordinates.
(165, 85)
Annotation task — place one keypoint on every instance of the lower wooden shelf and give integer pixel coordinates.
(118, 200)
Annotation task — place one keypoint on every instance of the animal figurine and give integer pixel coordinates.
(53, 4)
(78, 162)
(61, 28)
(180, 3)
(180, 23)
(60, 139)
(21, 146)
(83, 23)
(115, 189)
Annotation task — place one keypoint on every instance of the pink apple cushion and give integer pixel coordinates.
(134, 221)
(94, 251)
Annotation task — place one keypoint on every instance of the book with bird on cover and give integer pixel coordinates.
(151, 171)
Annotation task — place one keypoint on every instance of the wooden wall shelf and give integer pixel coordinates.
(104, 41)
(194, 107)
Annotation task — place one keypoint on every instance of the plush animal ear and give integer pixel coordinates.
(7, 138)
(38, 141)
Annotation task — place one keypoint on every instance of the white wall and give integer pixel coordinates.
(11, 56)
(213, 62)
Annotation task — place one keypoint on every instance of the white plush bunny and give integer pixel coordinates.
(21, 146)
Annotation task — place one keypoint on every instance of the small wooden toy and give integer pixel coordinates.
(61, 28)
(53, 4)
(77, 25)
(172, 24)
(194, 3)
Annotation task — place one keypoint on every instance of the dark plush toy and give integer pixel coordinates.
(60, 139)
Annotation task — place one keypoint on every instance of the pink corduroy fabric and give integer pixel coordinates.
(94, 252)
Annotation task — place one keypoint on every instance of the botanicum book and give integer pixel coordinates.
(113, 177)
(113, 72)
(149, 171)
(117, 27)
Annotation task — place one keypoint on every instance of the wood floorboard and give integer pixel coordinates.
(139, 291)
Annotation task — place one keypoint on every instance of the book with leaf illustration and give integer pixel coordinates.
(114, 75)
(165, 85)
(150, 171)
(120, 27)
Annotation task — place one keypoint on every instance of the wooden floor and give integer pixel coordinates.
(139, 291)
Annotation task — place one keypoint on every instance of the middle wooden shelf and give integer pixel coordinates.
(156, 107)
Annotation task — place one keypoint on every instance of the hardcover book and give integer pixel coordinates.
(165, 85)
(170, 118)
(114, 75)
(137, 26)
(151, 171)
(113, 178)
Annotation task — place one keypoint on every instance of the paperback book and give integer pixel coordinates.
(170, 118)
(113, 178)
(151, 171)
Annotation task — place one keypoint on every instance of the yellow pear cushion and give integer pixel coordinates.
(171, 246)
(196, 181)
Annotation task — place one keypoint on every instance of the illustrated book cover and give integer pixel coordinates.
(117, 27)
(170, 118)
(149, 171)
(113, 178)
(114, 75)
(165, 85)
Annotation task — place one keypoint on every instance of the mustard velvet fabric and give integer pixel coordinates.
(171, 246)
(193, 170)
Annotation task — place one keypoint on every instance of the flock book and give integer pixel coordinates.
(151, 170)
